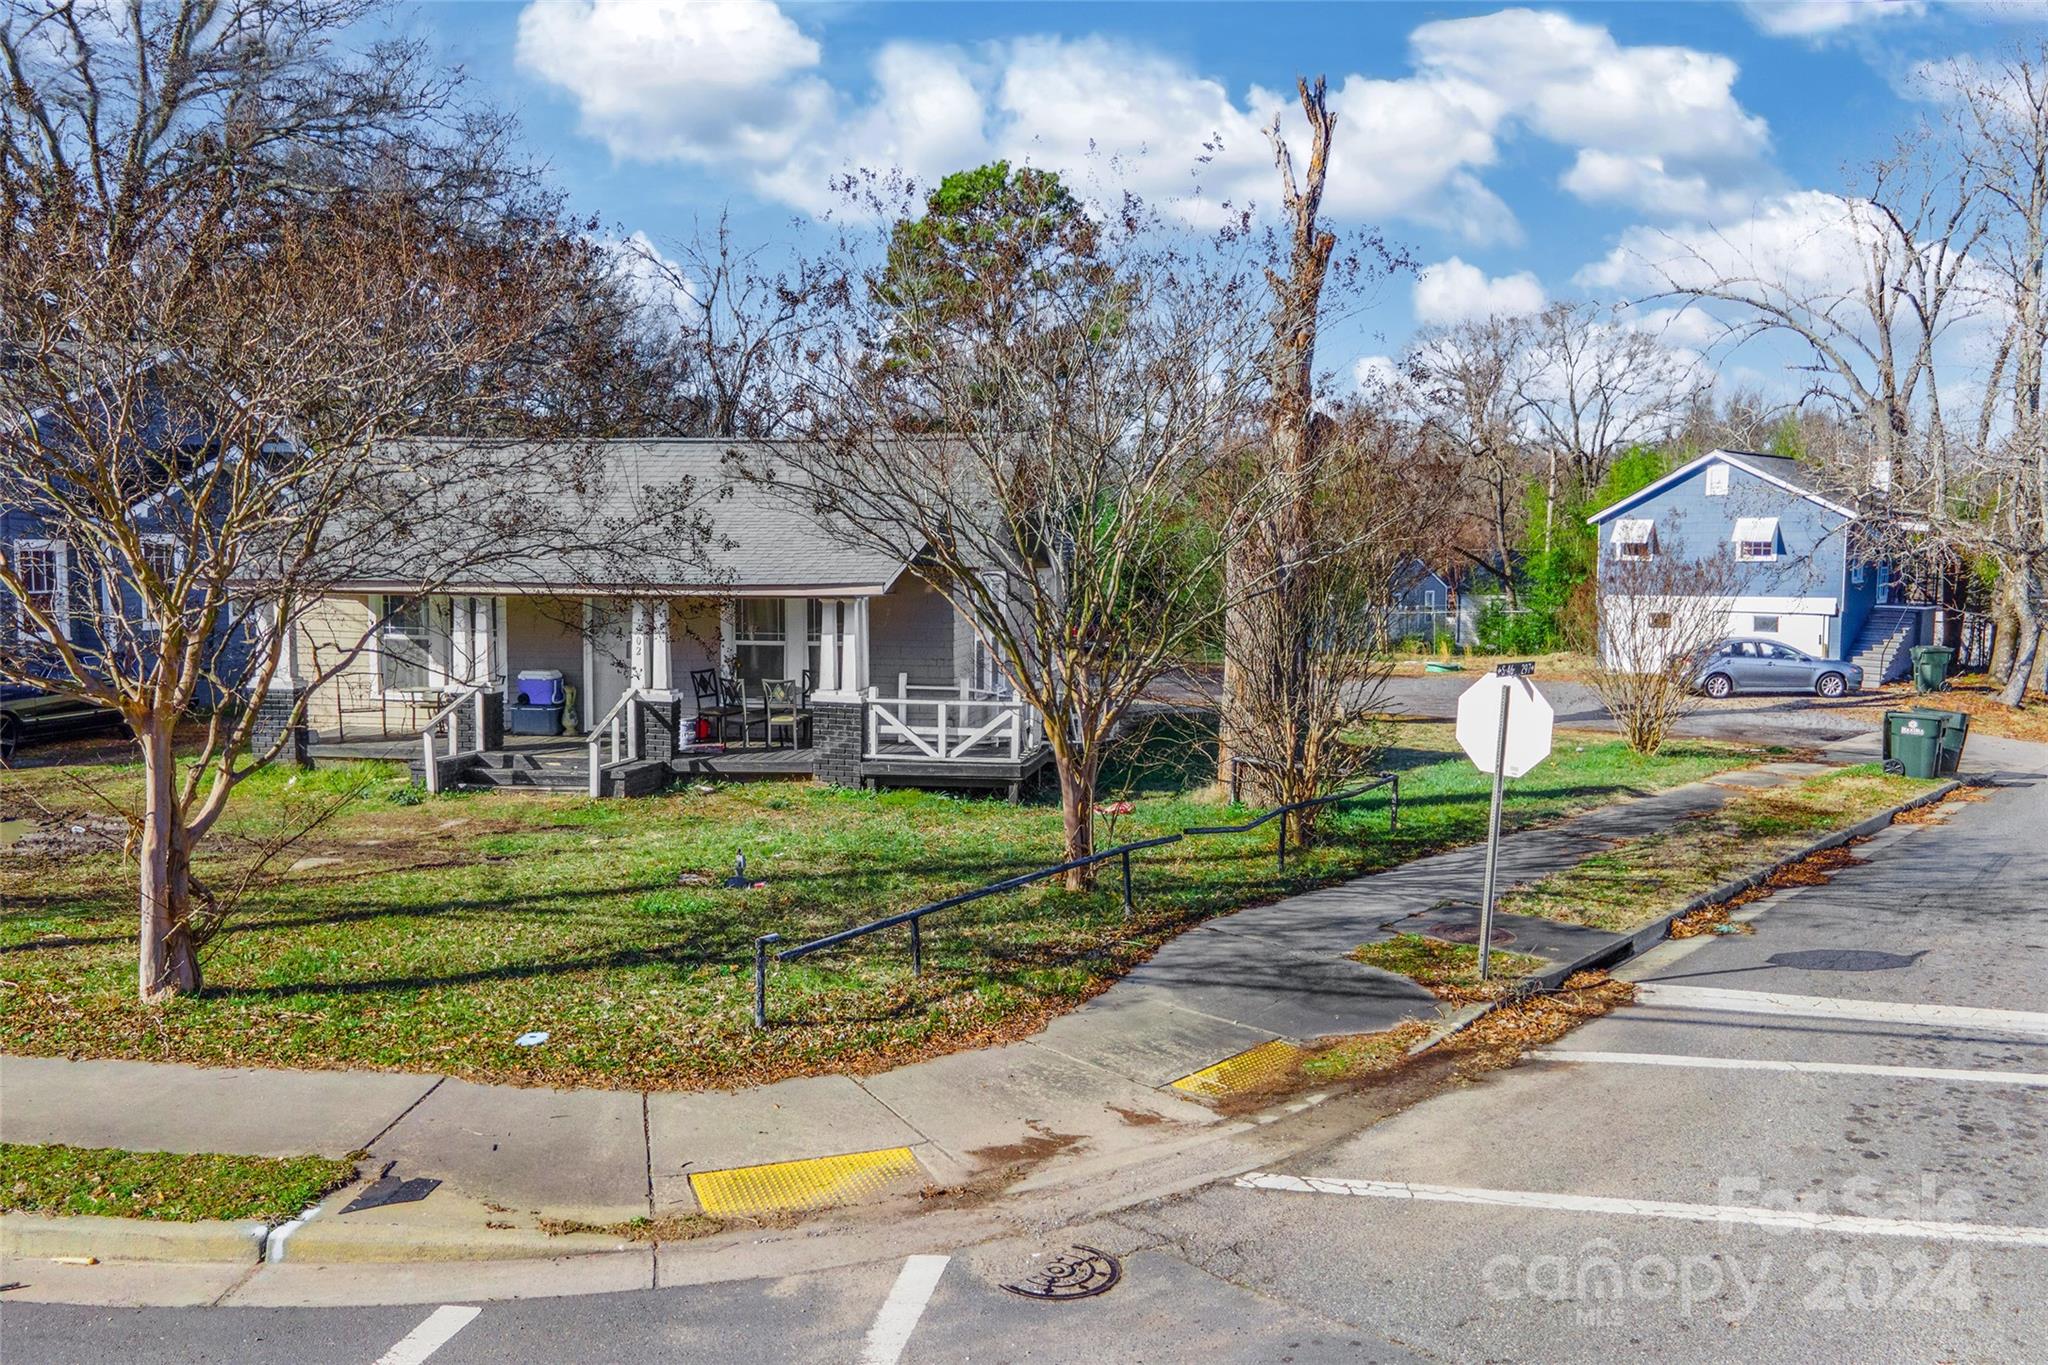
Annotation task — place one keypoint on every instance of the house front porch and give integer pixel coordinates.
(655, 691)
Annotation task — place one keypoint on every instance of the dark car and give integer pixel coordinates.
(1769, 666)
(28, 716)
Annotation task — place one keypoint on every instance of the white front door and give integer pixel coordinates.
(607, 657)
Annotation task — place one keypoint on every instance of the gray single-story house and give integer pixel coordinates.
(776, 649)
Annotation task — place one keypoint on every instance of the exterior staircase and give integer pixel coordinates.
(562, 771)
(1883, 648)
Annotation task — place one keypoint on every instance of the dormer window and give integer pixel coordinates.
(1635, 538)
(1756, 538)
(1717, 480)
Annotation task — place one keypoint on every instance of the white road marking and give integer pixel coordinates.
(1907, 1073)
(1784, 1220)
(430, 1336)
(1836, 1007)
(901, 1310)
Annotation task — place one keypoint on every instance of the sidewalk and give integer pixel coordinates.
(1096, 1082)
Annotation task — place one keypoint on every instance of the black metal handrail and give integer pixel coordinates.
(1122, 852)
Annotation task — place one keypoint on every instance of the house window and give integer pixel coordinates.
(1660, 620)
(1635, 538)
(1429, 602)
(1756, 538)
(405, 645)
(1717, 480)
(1764, 625)
(40, 565)
(160, 555)
(758, 639)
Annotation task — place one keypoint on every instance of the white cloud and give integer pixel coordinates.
(734, 86)
(1657, 127)
(1818, 18)
(1452, 291)
(677, 80)
(1377, 375)
(1807, 241)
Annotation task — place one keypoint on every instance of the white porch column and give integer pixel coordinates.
(842, 656)
(796, 637)
(660, 672)
(641, 645)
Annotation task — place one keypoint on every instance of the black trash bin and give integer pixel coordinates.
(539, 696)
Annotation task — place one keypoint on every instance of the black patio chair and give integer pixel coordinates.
(712, 703)
(785, 711)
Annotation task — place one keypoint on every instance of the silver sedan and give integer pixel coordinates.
(1768, 666)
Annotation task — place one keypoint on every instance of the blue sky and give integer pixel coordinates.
(1524, 153)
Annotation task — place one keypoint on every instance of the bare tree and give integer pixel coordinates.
(1464, 380)
(1659, 615)
(1588, 388)
(1038, 406)
(1999, 129)
(240, 265)
(736, 323)
(1304, 723)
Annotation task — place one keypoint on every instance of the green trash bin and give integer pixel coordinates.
(1955, 730)
(1912, 739)
(1930, 667)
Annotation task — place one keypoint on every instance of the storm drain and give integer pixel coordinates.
(1077, 1272)
(820, 1182)
(1253, 1069)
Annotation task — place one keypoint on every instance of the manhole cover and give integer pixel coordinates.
(1076, 1273)
(1845, 960)
(1452, 931)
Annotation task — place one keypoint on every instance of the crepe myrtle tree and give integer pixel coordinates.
(1660, 612)
(240, 270)
(1035, 403)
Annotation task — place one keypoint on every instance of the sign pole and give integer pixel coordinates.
(1500, 751)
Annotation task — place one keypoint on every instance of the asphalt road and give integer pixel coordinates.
(1779, 1154)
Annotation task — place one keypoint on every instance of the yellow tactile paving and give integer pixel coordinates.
(1248, 1070)
(817, 1182)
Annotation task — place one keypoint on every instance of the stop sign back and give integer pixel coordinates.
(1530, 718)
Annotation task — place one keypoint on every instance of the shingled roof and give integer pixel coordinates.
(683, 516)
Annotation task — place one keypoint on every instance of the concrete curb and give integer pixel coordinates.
(44, 1237)
(1658, 930)
(332, 1242)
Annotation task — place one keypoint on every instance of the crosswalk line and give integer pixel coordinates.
(1782, 1220)
(1986, 1076)
(1721, 999)
(430, 1336)
(893, 1325)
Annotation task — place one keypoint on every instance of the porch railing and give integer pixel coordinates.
(431, 738)
(615, 728)
(955, 728)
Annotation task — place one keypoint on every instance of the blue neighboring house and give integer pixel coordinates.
(1798, 574)
(99, 614)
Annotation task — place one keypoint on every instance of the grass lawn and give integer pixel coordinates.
(426, 935)
(1640, 879)
(1448, 969)
(171, 1186)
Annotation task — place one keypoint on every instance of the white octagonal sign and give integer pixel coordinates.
(1529, 721)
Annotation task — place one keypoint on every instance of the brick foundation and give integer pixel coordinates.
(274, 718)
(838, 738)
